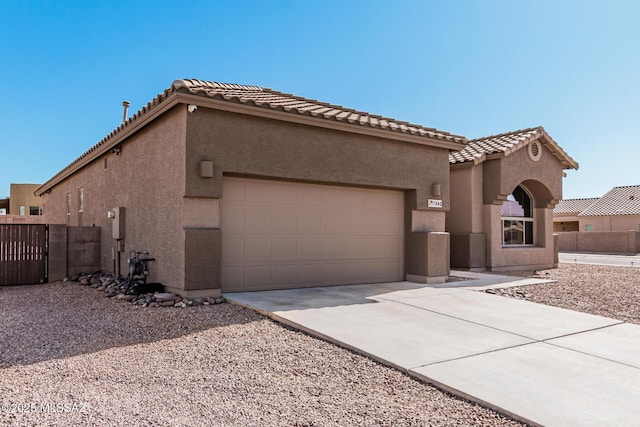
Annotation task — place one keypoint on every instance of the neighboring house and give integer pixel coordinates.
(503, 190)
(233, 188)
(565, 214)
(22, 206)
(618, 210)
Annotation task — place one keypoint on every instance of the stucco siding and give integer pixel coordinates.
(502, 176)
(625, 223)
(465, 215)
(475, 220)
(247, 146)
(23, 195)
(253, 146)
(600, 241)
(147, 179)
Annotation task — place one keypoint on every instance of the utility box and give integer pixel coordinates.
(118, 223)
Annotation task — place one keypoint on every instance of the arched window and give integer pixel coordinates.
(517, 218)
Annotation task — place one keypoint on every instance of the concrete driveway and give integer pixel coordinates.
(540, 364)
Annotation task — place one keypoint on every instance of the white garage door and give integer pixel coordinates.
(278, 235)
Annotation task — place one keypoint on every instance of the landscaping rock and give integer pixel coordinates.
(164, 295)
(120, 289)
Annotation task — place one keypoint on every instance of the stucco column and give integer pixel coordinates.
(202, 246)
(427, 255)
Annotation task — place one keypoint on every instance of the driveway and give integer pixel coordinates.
(540, 364)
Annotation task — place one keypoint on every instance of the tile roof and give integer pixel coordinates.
(259, 98)
(618, 201)
(573, 206)
(477, 150)
(267, 98)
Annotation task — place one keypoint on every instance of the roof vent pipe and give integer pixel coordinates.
(125, 104)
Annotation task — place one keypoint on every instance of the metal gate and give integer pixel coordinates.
(23, 253)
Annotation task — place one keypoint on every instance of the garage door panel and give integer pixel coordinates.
(260, 276)
(258, 249)
(358, 247)
(309, 274)
(384, 223)
(257, 191)
(334, 273)
(285, 248)
(285, 274)
(233, 249)
(233, 277)
(310, 248)
(335, 197)
(257, 220)
(309, 196)
(332, 222)
(309, 221)
(281, 235)
(284, 220)
(355, 223)
(233, 218)
(284, 194)
(332, 248)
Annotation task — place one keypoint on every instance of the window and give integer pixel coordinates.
(517, 218)
(22, 210)
(68, 208)
(80, 205)
(35, 210)
(588, 227)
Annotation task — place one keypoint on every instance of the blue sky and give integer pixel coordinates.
(475, 68)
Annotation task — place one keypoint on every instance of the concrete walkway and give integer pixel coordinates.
(600, 259)
(542, 365)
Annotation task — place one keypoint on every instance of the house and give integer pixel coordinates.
(233, 188)
(618, 210)
(503, 191)
(22, 205)
(609, 224)
(565, 214)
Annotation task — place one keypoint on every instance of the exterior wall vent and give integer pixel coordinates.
(535, 151)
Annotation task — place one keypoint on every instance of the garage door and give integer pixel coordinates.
(278, 235)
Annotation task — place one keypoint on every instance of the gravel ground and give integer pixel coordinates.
(86, 359)
(603, 290)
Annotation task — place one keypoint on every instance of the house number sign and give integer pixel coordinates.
(434, 203)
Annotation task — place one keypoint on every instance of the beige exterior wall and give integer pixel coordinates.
(477, 193)
(257, 147)
(22, 219)
(172, 204)
(466, 200)
(147, 179)
(600, 241)
(254, 146)
(610, 223)
(23, 195)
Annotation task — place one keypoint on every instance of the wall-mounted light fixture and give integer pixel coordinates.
(206, 169)
(436, 189)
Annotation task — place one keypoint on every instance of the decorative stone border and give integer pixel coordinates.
(117, 287)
